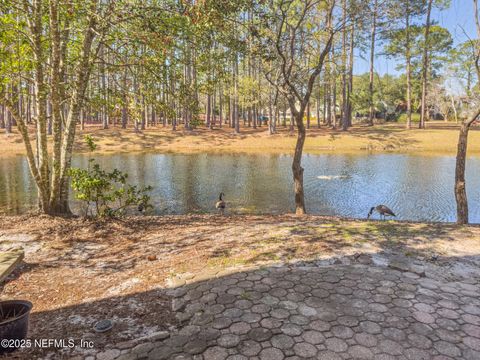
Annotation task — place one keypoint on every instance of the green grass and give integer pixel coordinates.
(225, 261)
(403, 118)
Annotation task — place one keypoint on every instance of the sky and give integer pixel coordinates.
(458, 19)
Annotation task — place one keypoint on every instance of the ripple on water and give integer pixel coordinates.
(415, 187)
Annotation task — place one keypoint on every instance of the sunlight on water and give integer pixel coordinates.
(332, 177)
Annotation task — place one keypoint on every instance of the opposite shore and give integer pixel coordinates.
(438, 138)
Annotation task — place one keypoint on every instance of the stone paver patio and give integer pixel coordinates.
(334, 312)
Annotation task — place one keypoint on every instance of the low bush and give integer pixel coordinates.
(106, 194)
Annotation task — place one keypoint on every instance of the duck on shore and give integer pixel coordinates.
(220, 204)
(383, 210)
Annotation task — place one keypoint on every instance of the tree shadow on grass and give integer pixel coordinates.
(151, 138)
(119, 245)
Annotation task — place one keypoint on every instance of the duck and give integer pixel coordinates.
(383, 210)
(220, 204)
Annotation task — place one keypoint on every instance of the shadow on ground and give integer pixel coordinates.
(246, 286)
(352, 310)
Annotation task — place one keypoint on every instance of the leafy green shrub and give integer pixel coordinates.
(106, 194)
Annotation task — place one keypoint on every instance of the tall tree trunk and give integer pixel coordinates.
(333, 80)
(308, 115)
(41, 105)
(209, 111)
(59, 202)
(297, 168)
(55, 106)
(136, 102)
(231, 121)
(214, 105)
(2, 117)
(143, 113)
(270, 114)
(424, 113)
(29, 106)
(153, 115)
(454, 109)
(273, 112)
(8, 123)
(350, 77)
(326, 99)
(276, 118)
(409, 71)
(187, 80)
(235, 96)
(344, 111)
(103, 88)
(220, 105)
(291, 123)
(371, 115)
(125, 100)
(460, 189)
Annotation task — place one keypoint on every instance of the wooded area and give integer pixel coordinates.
(170, 63)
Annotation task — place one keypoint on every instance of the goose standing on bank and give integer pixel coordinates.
(382, 210)
(220, 204)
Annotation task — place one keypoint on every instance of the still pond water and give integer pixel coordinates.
(415, 187)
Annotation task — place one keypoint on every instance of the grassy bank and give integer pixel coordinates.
(438, 138)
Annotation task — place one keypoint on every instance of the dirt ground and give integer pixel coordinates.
(78, 271)
(439, 137)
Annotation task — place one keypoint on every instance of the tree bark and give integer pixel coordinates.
(460, 188)
(344, 111)
(209, 113)
(41, 105)
(235, 96)
(103, 88)
(220, 105)
(371, 115)
(125, 100)
(350, 77)
(409, 72)
(2, 117)
(297, 168)
(59, 203)
(298, 114)
(424, 113)
(270, 115)
(333, 80)
(56, 97)
(308, 115)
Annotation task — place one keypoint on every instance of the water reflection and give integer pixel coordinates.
(415, 187)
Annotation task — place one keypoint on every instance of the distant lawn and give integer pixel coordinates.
(403, 118)
(439, 137)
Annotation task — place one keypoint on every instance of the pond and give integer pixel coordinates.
(416, 187)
